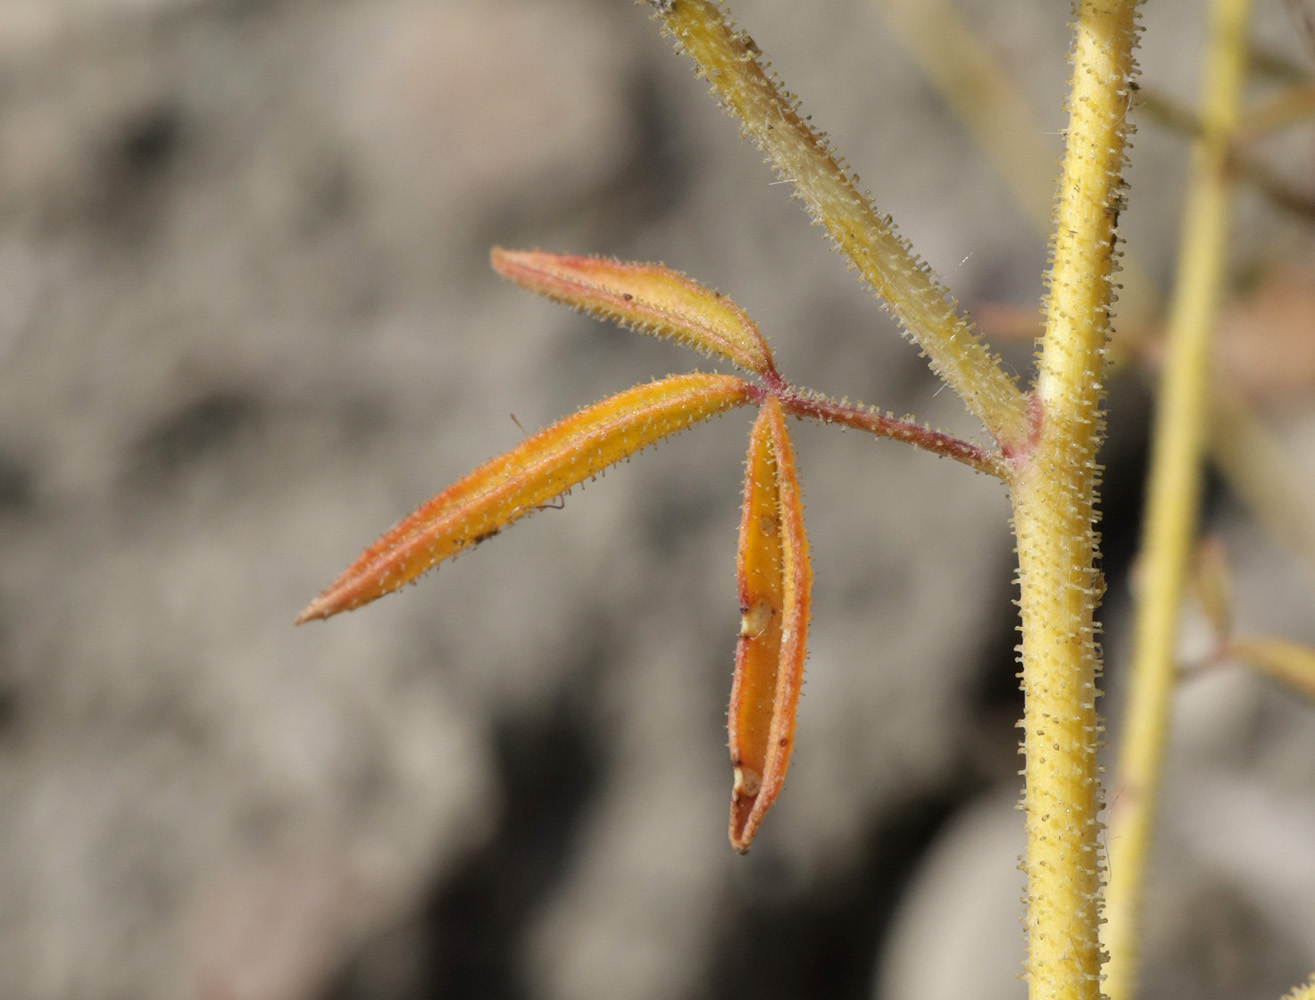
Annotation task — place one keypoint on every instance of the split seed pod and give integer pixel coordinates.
(518, 482)
(775, 584)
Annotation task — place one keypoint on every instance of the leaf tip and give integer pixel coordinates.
(744, 818)
(331, 601)
(509, 263)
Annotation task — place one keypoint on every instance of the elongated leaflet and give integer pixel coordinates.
(646, 297)
(516, 483)
(775, 585)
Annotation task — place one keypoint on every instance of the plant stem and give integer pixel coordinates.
(924, 307)
(1054, 517)
(1176, 455)
(801, 403)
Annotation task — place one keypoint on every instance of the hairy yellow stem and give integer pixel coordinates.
(1054, 515)
(883, 258)
(1176, 455)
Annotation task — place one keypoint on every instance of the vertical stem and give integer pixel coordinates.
(1054, 517)
(1176, 454)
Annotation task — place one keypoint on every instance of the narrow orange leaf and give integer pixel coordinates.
(512, 485)
(1287, 662)
(775, 586)
(758, 650)
(645, 297)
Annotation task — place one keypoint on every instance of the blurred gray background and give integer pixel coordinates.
(247, 322)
